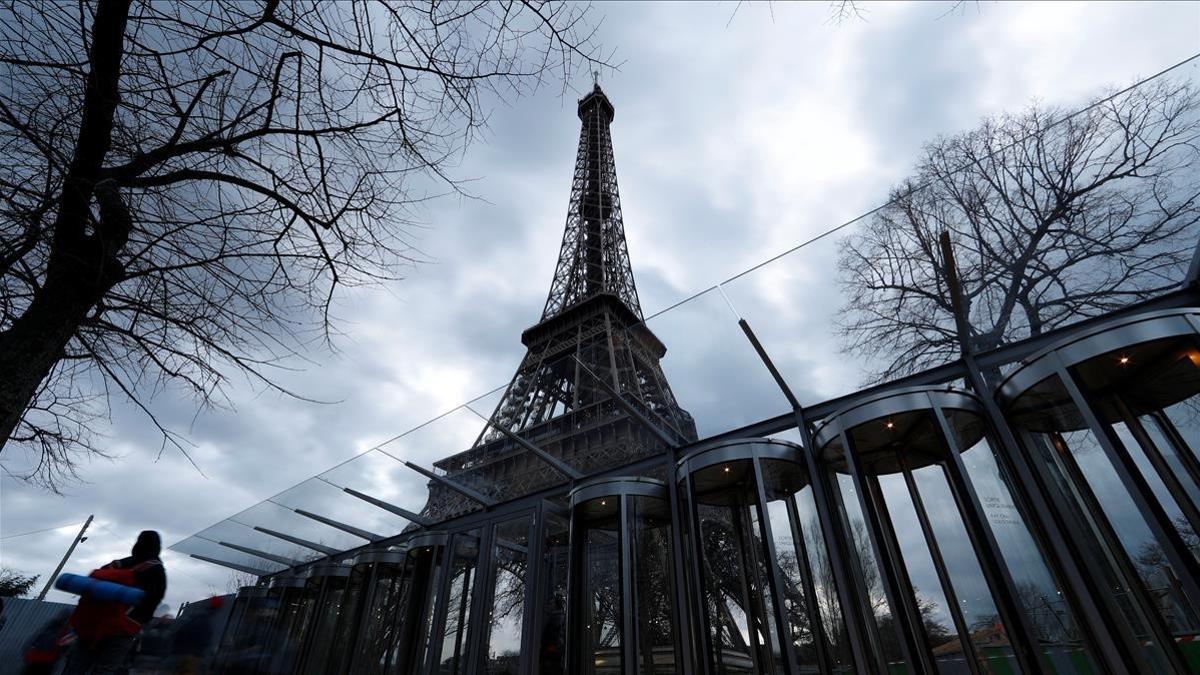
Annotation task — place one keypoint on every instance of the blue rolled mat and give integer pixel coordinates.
(105, 591)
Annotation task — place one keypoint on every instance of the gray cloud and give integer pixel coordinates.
(732, 144)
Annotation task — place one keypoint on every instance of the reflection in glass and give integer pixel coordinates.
(1039, 594)
(825, 591)
(325, 621)
(463, 569)
(379, 640)
(736, 596)
(552, 633)
(507, 616)
(1083, 452)
(599, 588)
(650, 533)
(291, 627)
(869, 576)
(931, 603)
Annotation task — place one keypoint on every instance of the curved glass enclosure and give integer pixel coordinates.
(767, 601)
(1111, 419)
(621, 618)
(328, 582)
(245, 632)
(293, 599)
(940, 542)
(414, 620)
(367, 630)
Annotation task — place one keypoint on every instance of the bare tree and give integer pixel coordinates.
(187, 185)
(1053, 217)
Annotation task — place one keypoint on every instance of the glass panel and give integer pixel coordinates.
(742, 636)
(650, 521)
(379, 642)
(510, 553)
(349, 616)
(918, 563)
(1038, 592)
(1185, 417)
(828, 602)
(868, 565)
(1180, 459)
(985, 629)
(418, 626)
(325, 620)
(600, 585)
(552, 633)
(782, 480)
(463, 570)
(294, 619)
(1135, 536)
(1156, 483)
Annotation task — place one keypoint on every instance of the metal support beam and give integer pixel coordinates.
(233, 566)
(290, 562)
(461, 489)
(340, 526)
(558, 465)
(392, 508)
(327, 550)
(766, 359)
(628, 407)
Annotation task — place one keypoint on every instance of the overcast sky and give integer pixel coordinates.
(735, 138)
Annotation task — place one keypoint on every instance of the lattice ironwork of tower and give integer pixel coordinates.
(591, 327)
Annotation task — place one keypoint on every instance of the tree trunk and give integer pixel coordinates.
(82, 265)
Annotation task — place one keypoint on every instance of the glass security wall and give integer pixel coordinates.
(509, 589)
(1111, 418)
(366, 637)
(550, 634)
(414, 621)
(241, 643)
(621, 616)
(766, 597)
(296, 599)
(947, 566)
(328, 583)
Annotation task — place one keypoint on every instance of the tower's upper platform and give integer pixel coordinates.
(596, 99)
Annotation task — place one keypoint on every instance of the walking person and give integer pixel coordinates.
(108, 630)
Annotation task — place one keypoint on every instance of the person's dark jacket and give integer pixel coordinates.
(151, 577)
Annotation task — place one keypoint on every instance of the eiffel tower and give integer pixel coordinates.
(591, 329)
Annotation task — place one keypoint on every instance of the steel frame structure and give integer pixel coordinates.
(585, 382)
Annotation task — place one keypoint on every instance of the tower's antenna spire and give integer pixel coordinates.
(595, 78)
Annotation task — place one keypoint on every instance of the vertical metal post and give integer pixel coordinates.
(63, 562)
(906, 618)
(853, 597)
(685, 638)
(939, 566)
(995, 570)
(1059, 540)
(774, 575)
(704, 645)
(576, 597)
(1159, 462)
(1135, 484)
(625, 568)
(478, 633)
(1184, 452)
(437, 613)
(825, 660)
(533, 605)
(1111, 540)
